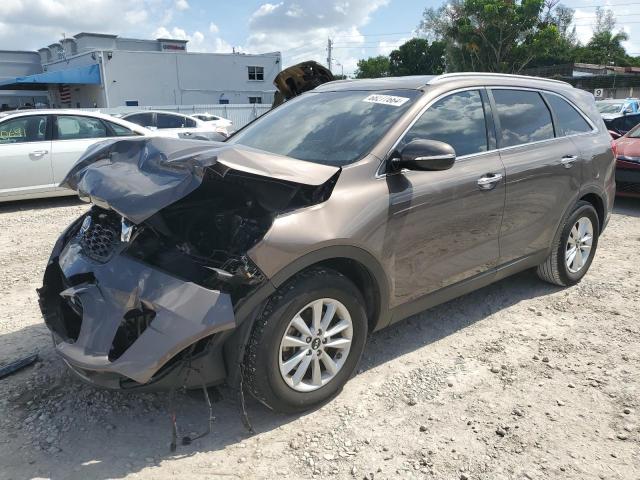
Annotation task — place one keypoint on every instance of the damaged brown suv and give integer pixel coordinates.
(266, 260)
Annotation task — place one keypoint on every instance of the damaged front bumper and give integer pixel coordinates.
(121, 323)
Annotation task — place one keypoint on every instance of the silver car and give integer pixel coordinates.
(39, 147)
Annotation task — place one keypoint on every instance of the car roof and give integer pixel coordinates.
(168, 112)
(419, 82)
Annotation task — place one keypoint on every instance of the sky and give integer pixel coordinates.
(297, 28)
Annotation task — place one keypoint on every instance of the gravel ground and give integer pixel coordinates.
(518, 380)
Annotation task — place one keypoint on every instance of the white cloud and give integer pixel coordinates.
(135, 17)
(213, 28)
(198, 41)
(182, 5)
(302, 33)
(386, 47)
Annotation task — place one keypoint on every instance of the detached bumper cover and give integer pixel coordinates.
(104, 293)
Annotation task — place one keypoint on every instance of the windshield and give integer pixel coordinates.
(332, 128)
(609, 107)
(634, 132)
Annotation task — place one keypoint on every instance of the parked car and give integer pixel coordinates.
(627, 149)
(38, 147)
(618, 125)
(223, 124)
(182, 125)
(618, 107)
(266, 261)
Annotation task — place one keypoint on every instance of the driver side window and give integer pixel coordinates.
(457, 119)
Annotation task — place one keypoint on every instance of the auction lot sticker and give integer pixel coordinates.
(386, 100)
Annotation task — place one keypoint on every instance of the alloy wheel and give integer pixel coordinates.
(578, 248)
(315, 345)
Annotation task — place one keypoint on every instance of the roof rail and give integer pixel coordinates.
(445, 76)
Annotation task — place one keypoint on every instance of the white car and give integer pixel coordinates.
(182, 125)
(223, 123)
(39, 147)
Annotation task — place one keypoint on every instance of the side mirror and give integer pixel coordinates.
(424, 155)
(628, 110)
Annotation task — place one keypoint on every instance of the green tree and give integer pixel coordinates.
(500, 35)
(417, 57)
(605, 46)
(373, 67)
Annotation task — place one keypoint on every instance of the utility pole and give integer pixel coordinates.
(329, 51)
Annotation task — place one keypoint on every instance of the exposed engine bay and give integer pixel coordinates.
(205, 236)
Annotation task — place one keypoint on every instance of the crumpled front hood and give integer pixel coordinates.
(139, 177)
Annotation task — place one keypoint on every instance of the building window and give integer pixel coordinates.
(224, 101)
(255, 99)
(256, 73)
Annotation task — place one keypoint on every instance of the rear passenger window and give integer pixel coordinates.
(457, 120)
(171, 121)
(570, 122)
(524, 117)
(76, 128)
(142, 119)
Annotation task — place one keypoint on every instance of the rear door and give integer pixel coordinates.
(543, 172)
(25, 156)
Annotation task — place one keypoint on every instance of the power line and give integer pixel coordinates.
(375, 34)
(601, 5)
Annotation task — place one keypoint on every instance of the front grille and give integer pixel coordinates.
(101, 237)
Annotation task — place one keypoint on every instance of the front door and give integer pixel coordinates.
(445, 225)
(25, 156)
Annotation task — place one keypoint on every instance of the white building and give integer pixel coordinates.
(19, 64)
(98, 70)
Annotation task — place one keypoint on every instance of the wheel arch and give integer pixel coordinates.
(355, 263)
(598, 204)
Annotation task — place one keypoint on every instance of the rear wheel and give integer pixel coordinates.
(307, 342)
(573, 248)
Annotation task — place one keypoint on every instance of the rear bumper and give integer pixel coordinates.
(123, 322)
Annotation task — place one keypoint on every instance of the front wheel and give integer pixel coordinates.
(573, 247)
(307, 342)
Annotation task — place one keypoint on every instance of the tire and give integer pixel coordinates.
(268, 355)
(555, 268)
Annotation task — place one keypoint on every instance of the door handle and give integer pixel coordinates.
(489, 181)
(567, 160)
(38, 153)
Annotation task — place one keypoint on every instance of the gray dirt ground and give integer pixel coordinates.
(518, 380)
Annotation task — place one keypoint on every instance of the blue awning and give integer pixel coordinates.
(87, 75)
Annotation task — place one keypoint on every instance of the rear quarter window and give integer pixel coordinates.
(569, 121)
